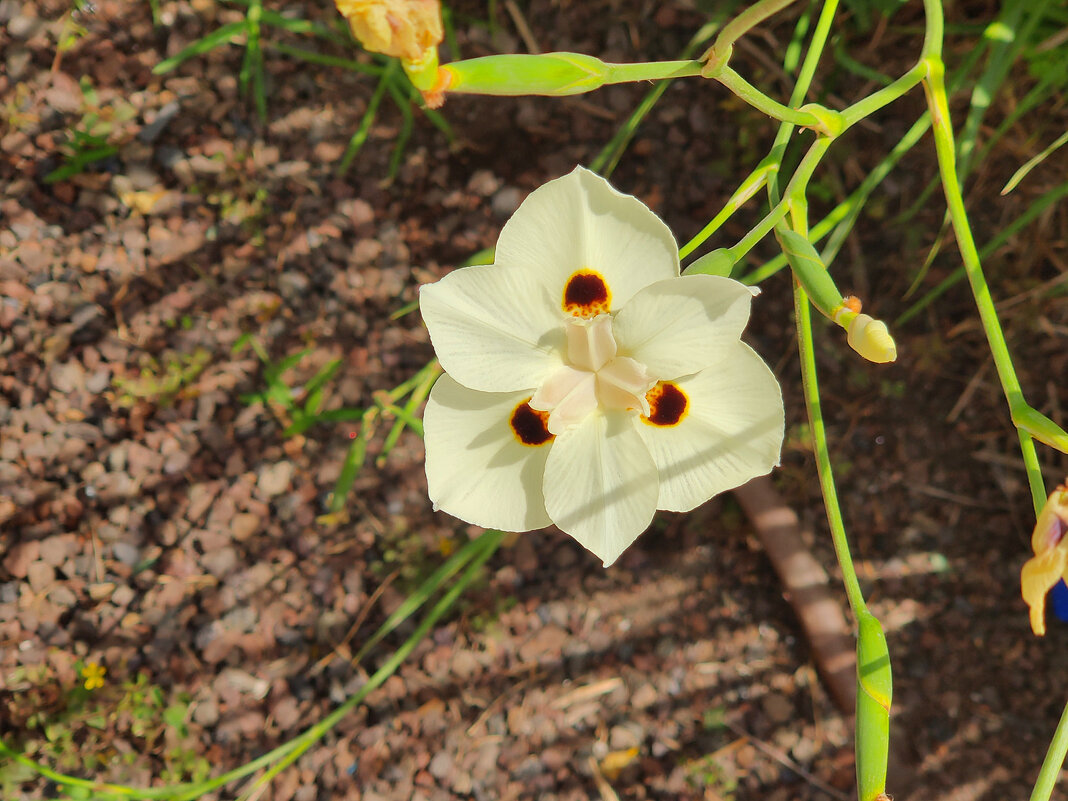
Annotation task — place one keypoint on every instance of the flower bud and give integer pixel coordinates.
(716, 262)
(553, 74)
(871, 339)
(406, 29)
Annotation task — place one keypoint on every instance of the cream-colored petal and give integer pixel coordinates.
(580, 222)
(590, 344)
(679, 327)
(623, 383)
(476, 469)
(494, 328)
(569, 395)
(1037, 578)
(731, 431)
(601, 484)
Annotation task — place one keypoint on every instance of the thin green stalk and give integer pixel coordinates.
(804, 81)
(744, 22)
(606, 160)
(946, 153)
(760, 101)
(748, 187)
(794, 200)
(360, 136)
(839, 222)
(651, 71)
(810, 384)
(1034, 470)
(1003, 235)
(1054, 761)
(885, 96)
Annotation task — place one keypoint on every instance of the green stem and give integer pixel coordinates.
(885, 96)
(749, 187)
(1054, 761)
(651, 71)
(945, 149)
(794, 199)
(810, 383)
(760, 101)
(804, 81)
(744, 22)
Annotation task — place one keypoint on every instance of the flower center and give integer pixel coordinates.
(595, 376)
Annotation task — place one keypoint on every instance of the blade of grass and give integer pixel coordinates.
(303, 26)
(1021, 173)
(404, 104)
(353, 462)
(1006, 232)
(607, 159)
(413, 602)
(216, 38)
(360, 136)
(323, 59)
(489, 542)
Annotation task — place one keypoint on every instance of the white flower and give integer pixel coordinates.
(588, 384)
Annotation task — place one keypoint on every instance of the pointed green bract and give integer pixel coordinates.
(554, 74)
(874, 693)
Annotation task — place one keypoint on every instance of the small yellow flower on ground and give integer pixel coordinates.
(588, 384)
(1050, 562)
(406, 29)
(94, 675)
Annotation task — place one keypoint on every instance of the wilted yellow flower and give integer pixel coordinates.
(1050, 562)
(406, 29)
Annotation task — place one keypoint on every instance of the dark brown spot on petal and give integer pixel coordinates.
(529, 425)
(586, 294)
(667, 405)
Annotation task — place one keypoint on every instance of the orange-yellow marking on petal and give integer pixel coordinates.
(667, 405)
(586, 294)
(530, 426)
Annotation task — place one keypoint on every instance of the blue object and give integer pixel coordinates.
(1059, 597)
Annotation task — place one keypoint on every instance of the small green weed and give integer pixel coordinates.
(297, 408)
(92, 138)
(709, 773)
(161, 383)
(74, 726)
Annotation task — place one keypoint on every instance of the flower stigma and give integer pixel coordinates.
(586, 294)
(593, 376)
(529, 425)
(667, 403)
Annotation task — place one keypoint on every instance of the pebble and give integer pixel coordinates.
(442, 766)
(40, 575)
(274, 479)
(778, 707)
(126, 553)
